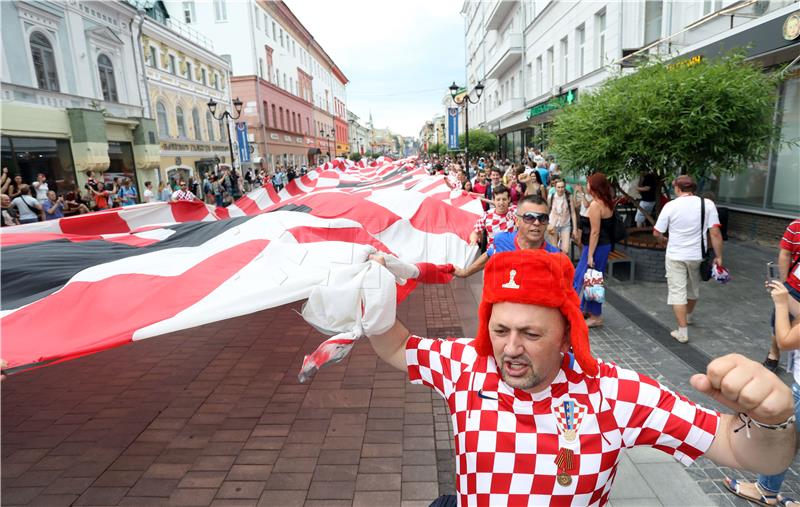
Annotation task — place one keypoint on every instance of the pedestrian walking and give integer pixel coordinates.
(562, 217)
(647, 191)
(597, 233)
(499, 219)
(690, 220)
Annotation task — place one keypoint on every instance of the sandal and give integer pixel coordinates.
(732, 485)
(787, 501)
(771, 364)
(594, 323)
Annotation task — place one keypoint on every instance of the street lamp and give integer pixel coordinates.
(465, 101)
(328, 136)
(212, 108)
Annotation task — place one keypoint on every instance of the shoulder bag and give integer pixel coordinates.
(705, 263)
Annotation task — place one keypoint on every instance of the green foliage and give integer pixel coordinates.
(369, 154)
(713, 117)
(355, 156)
(437, 148)
(480, 142)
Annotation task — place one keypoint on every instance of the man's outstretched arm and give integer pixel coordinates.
(391, 345)
(473, 268)
(746, 387)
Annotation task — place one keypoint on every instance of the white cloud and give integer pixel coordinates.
(400, 57)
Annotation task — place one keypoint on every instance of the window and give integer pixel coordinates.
(280, 110)
(196, 124)
(261, 67)
(281, 37)
(265, 108)
(539, 77)
(274, 117)
(189, 71)
(107, 82)
(44, 62)
(266, 25)
(204, 77)
(220, 11)
(188, 12)
(210, 126)
(172, 65)
(161, 119)
(652, 20)
(273, 31)
(551, 70)
(291, 85)
(181, 124)
(153, 57)
(600, 30)
(580, 59)
(564, 60)
(710, 6)
(256, 16)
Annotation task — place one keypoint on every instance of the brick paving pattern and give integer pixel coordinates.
(216, 416)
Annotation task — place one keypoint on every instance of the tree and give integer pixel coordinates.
(355, 156)
(693, 117)
(480, 141)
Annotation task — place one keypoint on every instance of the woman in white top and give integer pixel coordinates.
(562, 217)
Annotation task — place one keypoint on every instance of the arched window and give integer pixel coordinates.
(274, 117)
(196, 124)
(210, 126)
(107, 82)
(163, 123)
(44, 62)
(281, 112)
(266, 108)
(181, 124)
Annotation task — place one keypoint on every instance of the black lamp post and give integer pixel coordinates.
(328, 136)
(465, 102)
(237, 104)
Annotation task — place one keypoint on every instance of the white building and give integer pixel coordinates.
(534, 56)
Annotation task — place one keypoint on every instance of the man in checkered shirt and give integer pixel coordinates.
(502, 218)
(536, 424)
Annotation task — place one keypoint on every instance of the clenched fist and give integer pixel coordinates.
(746, 386)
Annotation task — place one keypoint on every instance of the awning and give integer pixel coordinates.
(314, 151)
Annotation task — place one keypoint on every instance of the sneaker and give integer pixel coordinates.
(678, 336)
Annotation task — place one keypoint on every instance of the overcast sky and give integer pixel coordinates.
(400, 57)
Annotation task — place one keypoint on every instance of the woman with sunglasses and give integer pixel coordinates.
(596, 237)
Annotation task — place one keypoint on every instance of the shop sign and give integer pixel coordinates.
(791, 27)
(556, 102)
(168, 146)
(691, 62)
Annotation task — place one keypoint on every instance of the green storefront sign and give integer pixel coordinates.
(555, 103)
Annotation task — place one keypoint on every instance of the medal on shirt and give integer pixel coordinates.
(565, 462)
(569, 415)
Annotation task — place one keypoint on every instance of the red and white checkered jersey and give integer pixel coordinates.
(507, 440)
(791, 242)
(494, 223)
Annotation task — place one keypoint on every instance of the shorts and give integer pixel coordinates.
(683, 281)
(792, 292)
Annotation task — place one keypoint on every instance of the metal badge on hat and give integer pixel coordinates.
(511, 284)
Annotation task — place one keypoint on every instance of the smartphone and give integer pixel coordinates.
(773, 273)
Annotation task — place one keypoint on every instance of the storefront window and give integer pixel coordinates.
(28, 156)
(772, 184)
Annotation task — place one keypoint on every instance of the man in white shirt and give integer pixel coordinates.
(148, 192)
(681, 218)
(41, 188)
(28, 208)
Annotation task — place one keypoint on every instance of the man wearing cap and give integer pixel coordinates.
(531, 218)
(532, 428)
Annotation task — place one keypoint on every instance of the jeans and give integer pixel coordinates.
(648, 207)
(600, 259)
(772, 483)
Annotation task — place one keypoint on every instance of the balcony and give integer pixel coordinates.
(14, 92)
(504, 55)
(499, 10)
(508, 107)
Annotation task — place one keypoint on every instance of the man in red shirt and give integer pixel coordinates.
(789, 269)
(500, 219)
(537, 425)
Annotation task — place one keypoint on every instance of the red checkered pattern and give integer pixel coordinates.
(493, 223)
(507, 440)
(561, 416)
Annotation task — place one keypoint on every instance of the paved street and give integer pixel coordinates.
(215, 415)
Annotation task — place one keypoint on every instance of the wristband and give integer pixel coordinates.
(747, 421)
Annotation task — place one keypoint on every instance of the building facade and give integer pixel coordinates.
(358, 134)
(183, 74)
(292, 90)
(536, 56)
(73, 93)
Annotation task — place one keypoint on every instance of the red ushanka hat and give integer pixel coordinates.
(534, 277)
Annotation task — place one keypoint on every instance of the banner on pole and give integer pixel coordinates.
(241, 140)
(452, 128)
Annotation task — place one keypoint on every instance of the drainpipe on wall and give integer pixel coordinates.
(258, 86)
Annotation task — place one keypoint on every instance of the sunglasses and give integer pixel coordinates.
(531, 217)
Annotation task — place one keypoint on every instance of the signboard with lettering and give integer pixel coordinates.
(556, 102)
(452, 128)
(242, 142)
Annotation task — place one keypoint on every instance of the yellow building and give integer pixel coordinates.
(183, 73)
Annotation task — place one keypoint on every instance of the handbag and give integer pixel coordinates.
(593, 289)
(705, 263)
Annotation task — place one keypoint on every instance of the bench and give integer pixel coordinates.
(617, 257)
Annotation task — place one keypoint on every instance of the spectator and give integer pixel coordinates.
(90, 181)
(183, 193)
(53, 206)
(515, 191)
(164, 193)
(29, 210)
(5, 181)
(681, 218)
(277, 181)
(9, 217)
(495, 181)
(647, 191)
(499, 219)
(15, 188)
(789, 272)
(40, 187)
(533, 184)
(127, 193)
(284, 178)
(100, 197)
(72, 206)
(562, 217)
(597, 232)
(148, 195)
(218, 190)
(114, 200)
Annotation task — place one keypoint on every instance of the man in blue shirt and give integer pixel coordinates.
(532, 217)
